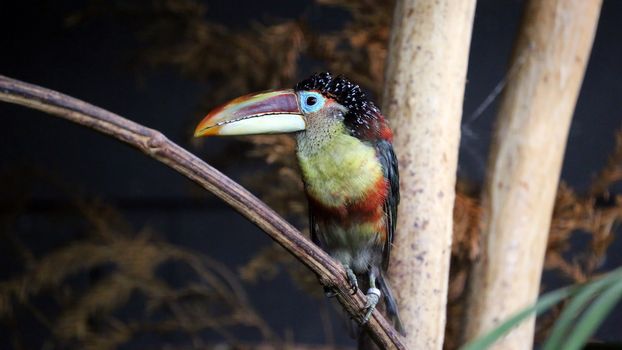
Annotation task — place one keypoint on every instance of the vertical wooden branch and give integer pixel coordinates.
(554, 41)
(423, 96)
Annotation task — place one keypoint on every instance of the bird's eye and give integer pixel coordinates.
(311, 101)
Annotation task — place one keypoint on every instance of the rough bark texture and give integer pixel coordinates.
(426, 74)
(554, 43)
(156, 145)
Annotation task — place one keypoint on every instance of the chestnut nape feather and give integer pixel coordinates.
(363, 119)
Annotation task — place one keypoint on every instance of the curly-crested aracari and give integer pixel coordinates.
(349, 169)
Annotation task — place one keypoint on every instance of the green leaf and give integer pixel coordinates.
(579, 302)
(544, 303)
(594, 316)
(610, 285)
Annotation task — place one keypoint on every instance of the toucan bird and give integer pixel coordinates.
(348, 166)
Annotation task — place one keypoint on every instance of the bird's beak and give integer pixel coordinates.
(271, 112)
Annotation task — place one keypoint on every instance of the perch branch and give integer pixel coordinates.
(426, 75)
(534, 116)
(156, 145)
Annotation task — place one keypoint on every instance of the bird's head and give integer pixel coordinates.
(318, 106)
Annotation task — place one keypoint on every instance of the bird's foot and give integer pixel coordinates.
(354, 285)
(373, 296)
(352, 282)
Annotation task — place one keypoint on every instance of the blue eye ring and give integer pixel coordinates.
(311, 101)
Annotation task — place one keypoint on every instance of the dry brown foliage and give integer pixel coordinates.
(80, 291)
(230, 62)
(596, 213)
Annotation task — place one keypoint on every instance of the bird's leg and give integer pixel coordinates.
(373, 296)
(354, 285)
(352, 281)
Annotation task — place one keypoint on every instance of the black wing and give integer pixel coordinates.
(387, 158)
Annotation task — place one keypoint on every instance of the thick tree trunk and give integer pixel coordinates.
(423, 96)
(532, 125)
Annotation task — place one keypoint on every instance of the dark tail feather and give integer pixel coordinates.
(390, 303)
(390, 310)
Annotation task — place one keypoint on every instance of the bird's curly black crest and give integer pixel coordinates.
(362, 117)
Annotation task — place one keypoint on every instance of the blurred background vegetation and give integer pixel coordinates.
(102, 249)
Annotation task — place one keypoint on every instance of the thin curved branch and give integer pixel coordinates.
(156, 145)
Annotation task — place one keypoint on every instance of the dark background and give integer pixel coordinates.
(91, 62)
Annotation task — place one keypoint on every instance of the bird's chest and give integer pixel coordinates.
(341, 172)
